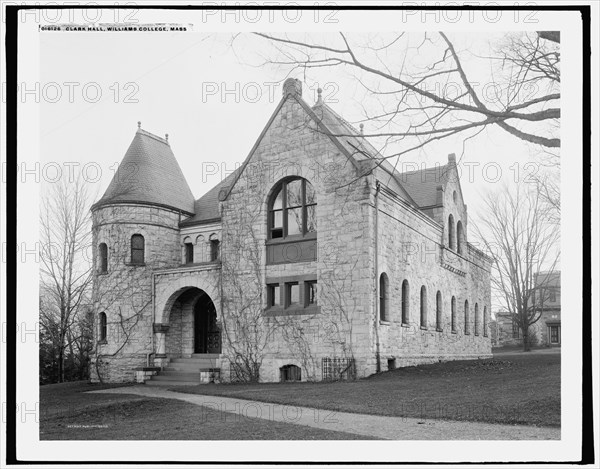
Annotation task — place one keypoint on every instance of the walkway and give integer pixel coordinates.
(390, 428)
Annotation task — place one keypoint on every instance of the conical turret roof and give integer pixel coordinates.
(149, 174)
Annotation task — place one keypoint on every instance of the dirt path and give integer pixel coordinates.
(390, 428)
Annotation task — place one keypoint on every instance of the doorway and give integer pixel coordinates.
(207, 336)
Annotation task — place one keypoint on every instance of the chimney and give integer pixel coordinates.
(292, 86)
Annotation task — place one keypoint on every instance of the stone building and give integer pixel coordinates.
(313, 260)
(546, 300)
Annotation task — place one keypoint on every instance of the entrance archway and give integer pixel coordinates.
(192, 326)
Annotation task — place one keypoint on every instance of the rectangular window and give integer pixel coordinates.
(214, 250)
(552, 296)
(273, 295)
(515, 330)
(292, 294)
(189, 253)
(554, 335)
(310, 293)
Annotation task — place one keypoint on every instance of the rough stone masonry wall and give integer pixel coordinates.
(409, 246)
(124, 293)
(344, 272)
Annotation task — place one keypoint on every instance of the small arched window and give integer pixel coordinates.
(103, 258)
(453, 314)
(405, 302)
(451, 239)
(293, 209)
(485, 322)
(423, 306)
(467, 328)
(476, 319)
(383, 297)
(137, 249)
(102, 327)
(438, 311)
(460, 238)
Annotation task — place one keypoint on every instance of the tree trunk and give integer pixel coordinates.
(526, 345)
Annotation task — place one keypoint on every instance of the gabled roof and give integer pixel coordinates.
(149, 174)
(206, 208)
(422, 184)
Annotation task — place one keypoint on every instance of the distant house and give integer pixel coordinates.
(546, 331)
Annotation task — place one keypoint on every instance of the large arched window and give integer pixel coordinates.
(438, 311)
(460, 238)
(405, 302)
(423, 306)
(137, 249)
(467, 328)
(293, 209)
(476, 319)
(103, 258)
(451, 239)
(453, 314)
(383, 297)
(102, 326)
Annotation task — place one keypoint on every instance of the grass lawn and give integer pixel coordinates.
(521, 389)
(67, 413)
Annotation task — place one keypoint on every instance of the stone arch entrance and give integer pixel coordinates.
(189, 326)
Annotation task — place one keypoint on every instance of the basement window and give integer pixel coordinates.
(289, 373)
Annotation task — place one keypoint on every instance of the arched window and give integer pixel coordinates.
(485, 322)
(405, 302)
(293, 209)
(383, 297)
(451, 239)
(137, 249)
(476, 319)
(467, 328)
(188, 250)
(423, 306)
(460, 238)
(103, 258)
(102, 326)
(453, 314)
(438, 311)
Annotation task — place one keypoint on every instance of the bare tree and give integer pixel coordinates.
(65, 264)
(407, 103)
(517, 228)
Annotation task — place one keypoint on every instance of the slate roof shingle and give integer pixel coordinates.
(149, 173)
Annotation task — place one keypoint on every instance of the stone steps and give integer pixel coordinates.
(187, 371)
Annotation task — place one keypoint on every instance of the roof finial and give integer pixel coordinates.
(139, 124)
(319, 97)
(362, 128)
(167, 137)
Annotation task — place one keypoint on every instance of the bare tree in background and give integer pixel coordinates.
(409, 94)
(65, 264)
(517, 228)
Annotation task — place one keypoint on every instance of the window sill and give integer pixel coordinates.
(102, 273)
(453, 332)
(423, 328)
(405, 324)
(291, 311)
(467, 333)
(439, 329)
(132, 264)
(102, 342)
(384, 322)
